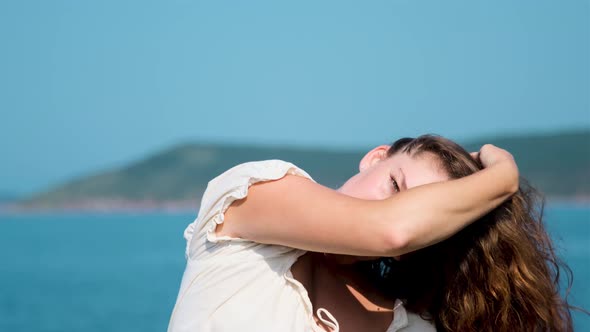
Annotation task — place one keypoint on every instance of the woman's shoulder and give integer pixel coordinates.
(232, 185)
(256, 171)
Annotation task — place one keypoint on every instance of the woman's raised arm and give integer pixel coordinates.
(296, 212)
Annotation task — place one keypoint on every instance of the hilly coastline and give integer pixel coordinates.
(557, 163)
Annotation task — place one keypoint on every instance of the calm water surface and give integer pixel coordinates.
(99, 272)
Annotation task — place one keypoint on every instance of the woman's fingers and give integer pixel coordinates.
(490, 154)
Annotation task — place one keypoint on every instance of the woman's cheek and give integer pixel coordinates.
(378, 192)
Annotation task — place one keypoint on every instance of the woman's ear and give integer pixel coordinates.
(374, 156)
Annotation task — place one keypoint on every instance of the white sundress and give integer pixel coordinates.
(232, 284)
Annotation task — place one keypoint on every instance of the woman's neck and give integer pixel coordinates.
(329, 273)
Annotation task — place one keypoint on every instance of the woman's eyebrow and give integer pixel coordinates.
(403, 182)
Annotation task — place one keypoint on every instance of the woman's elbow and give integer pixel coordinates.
(397, 242)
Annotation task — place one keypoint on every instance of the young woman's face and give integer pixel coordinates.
(381, 177)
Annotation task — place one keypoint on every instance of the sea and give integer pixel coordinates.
(121, 272)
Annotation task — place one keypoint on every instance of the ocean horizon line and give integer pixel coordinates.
(150, 206)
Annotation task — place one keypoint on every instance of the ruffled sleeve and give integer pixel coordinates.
(230, 186)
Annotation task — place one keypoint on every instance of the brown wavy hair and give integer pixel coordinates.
(500, 273)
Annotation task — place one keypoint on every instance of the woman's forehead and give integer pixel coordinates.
(418, 169)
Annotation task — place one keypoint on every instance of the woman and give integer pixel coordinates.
(250, 261)
(498, 274)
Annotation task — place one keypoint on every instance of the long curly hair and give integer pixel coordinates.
(500, 273)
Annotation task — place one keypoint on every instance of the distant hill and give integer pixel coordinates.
(7, 197)
(557, 163)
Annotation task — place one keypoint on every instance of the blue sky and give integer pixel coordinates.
(89, 85)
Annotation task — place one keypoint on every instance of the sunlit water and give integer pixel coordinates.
(101, 272)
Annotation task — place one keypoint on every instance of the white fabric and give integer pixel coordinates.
(232, 284)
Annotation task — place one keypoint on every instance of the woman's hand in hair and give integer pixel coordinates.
(493, 156)
(490, 155)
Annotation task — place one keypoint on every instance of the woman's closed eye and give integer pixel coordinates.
(395, 185)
